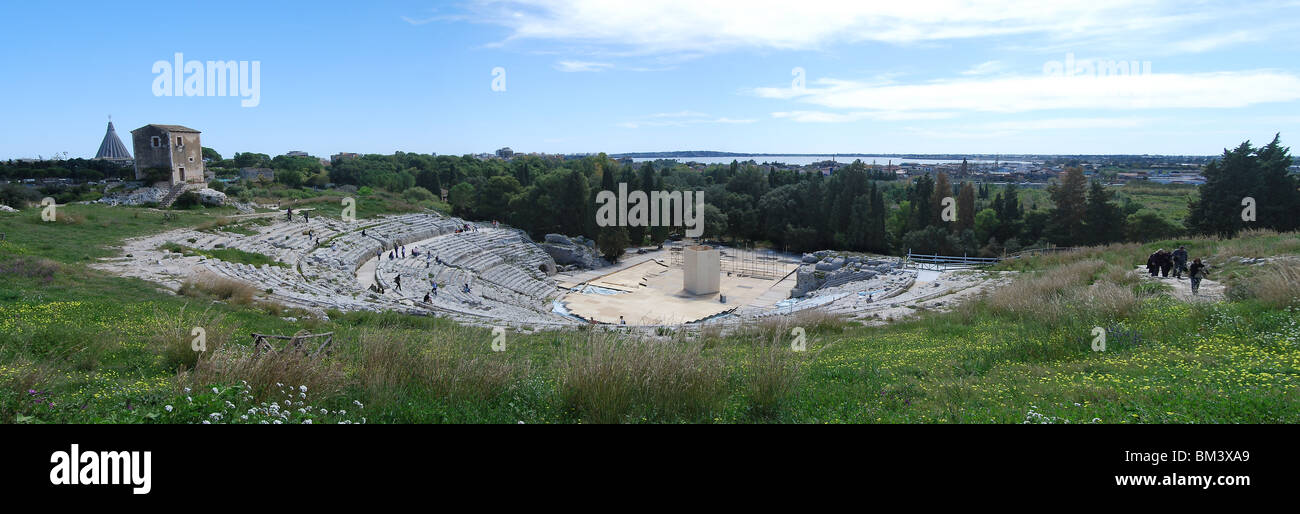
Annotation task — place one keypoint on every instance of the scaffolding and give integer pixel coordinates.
(742, 262)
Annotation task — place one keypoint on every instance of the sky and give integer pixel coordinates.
(585, 76)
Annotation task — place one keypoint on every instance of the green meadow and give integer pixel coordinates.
(78, 345)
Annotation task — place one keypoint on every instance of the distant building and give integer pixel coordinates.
(297, 153)
(255, 173)
(112, 149)
(343, 155)
(171, 147)
(505, 153)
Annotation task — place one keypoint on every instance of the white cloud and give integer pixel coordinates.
(702, 26)
(985, 68)
(836, 117)
(1043, 92)
(1215, 41)
(575, 66)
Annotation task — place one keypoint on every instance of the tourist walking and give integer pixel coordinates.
(1196, 273)
(1153, 263)
(1166, 263)
(1180, 261)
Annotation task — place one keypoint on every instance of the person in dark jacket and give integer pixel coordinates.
(1196, 273)
(1166, 263)
(1153, 262)
(1180, 261)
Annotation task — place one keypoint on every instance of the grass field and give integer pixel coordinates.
(78, 345)
(1169, 200)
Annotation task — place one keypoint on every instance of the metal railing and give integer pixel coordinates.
(940, 262)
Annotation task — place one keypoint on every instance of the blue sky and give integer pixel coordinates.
(591, 76)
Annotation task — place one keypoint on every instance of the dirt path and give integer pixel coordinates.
(1210, 291)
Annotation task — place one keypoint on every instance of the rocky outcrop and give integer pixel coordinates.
(211, 196)
(139, 196)
(825, 269)
(578, 251)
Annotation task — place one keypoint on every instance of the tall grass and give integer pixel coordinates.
(174, 335)
(393, 365)
(264, 373)
(1276, 285)
(1046, 295)
(222, 288)
(611, 381)
(772, 376)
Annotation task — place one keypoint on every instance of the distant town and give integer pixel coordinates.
(113, 165)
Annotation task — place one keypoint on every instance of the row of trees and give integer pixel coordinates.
(81, 170)
(854, 208)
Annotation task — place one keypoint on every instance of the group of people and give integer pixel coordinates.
(1160, 263)
(288, 215)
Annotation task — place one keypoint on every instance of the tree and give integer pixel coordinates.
(919, 201)
(1103, 219)
(1242, 173)
(986, 225)
(210, 154)
(1069, 195)
(417, 194)
(252, 160)
(612, 242)
(966, 207)
(942, 189)
(461, 198)
(574, 210)
(290, 178)
(494, 197)
(1279, 195)
(429, 180)
(1149, 225)
(715, 222)
(935, 240)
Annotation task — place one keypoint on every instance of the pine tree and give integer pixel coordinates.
(1065, 226)
(1278, 200)
(1103, 218)
(966, 207)
(919, 199)
(942, 189)
(1245, 172)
